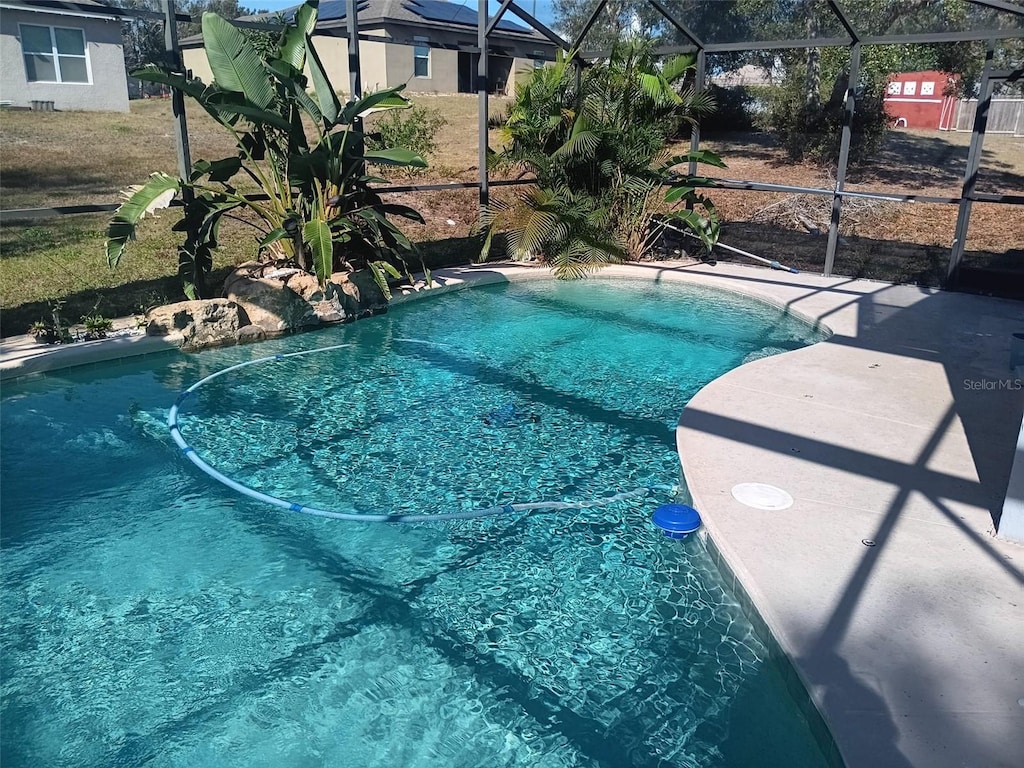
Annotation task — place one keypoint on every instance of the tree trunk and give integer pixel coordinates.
(812, 83)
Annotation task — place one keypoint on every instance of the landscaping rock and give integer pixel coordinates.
(249, 333)
(358, 294)
(200, 324)
(284, 300)
(268, 302)
(325, 302)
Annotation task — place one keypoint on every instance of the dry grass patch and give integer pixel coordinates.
(69, 158)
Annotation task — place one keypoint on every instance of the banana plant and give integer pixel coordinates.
(305, 189)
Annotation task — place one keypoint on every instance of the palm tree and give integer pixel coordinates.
(595, 141)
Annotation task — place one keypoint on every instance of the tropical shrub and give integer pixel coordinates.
(414, 129)
(736, 109)
(809, 126)
(595, 141)
(309, 197)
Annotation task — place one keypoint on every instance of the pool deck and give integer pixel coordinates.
(898, 430)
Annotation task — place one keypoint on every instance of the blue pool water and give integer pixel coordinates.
(153, 617)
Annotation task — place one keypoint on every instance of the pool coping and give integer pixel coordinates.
(846, 674)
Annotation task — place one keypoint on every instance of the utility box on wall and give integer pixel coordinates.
(919, 99)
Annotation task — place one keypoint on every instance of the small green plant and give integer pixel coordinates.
(497, 119)
(414, 129)
(56, 330)
(40, 331)
(96, 326)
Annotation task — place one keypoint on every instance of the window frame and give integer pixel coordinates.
(55, 54)
(416, 56)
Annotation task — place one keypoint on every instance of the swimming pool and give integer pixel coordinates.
(154, 617)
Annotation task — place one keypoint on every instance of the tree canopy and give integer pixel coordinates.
(144, 38)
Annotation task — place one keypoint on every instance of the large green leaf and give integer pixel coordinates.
(705, 156)
(252, 113)
(380, 270)
(657, 90)
(389, 98)
(317, 235)
(153, 73)
(219, 170)
(330, 107)
(156, 194)
(279, 233)
(677, 66)
(193, 87)
(394, 209)
(295, 83)
(396, 156)
(235, 63)
(293, 47)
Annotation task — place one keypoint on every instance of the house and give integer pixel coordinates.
(61, 55)
(747, 75)
(920, 99)
(427, 44)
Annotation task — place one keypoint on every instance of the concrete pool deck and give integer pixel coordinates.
(898, 430)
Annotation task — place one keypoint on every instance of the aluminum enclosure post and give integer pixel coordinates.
(481, 88)
(698, 86)
(355, 75)
(172, 54)
(963, 217)
(844, 159)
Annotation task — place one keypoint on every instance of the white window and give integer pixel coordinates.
(909, 89)
(54, 54)
(927, 88)
(895, 89)
(538, 60)
(421, 57)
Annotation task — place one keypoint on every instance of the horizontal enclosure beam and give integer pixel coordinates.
(451, 185)
(965, 36)
(34, 214)
(15, 215)
(663, 50)
(1000, 5)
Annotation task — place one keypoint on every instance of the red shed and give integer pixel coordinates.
(920, 100)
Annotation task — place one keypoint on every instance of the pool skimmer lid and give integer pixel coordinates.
(762, 496)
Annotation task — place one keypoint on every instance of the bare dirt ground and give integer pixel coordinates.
(73, 158)
(903, 242)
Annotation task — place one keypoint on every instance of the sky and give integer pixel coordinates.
(543, 7)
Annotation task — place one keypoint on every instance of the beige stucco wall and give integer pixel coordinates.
(108, 86)
(373, 62)
(522, 69)
(333, 53)
(442, 73)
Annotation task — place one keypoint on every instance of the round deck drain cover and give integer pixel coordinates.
(762, 496)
